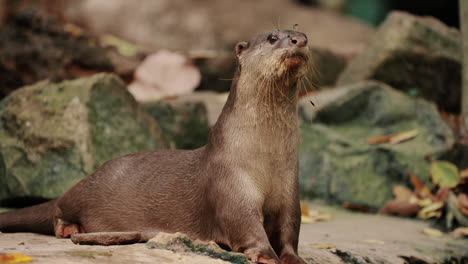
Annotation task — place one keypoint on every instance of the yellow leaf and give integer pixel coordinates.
(14, 258)
(403, 136)
(323, 246)
(306, 219)
(304, 209)
(402, 193)
(431, 210)
(374, 241)
(432, 232)
(322, 217)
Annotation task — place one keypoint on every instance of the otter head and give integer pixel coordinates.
(273, 55)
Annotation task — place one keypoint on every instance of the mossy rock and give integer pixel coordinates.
(182, 122)
(418, 55)
(338, 164)
(53, 135)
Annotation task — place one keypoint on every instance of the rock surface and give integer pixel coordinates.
(180, 243)
(52, 135)
(349, 238)
(413, 53)
(337, 163)
(184, 123)
(39, 48)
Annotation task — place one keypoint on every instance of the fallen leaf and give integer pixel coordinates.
(420, 189)
(394, 138)
(306, 219)
(462, 202)
(125, 48)
(460, 232)
(400, 208)
(323, 246)
(357, 207)
(14, 258)
(321, 217)
(432, 210)
(403, 136)
(445, 174)
(304, 209)
(402, 193)
(421, 202)
(432, 232)
(464, 173)
(442, 194)
(374, 241)
(379, 139)
(165, 73)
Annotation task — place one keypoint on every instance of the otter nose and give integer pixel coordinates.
(298, 40)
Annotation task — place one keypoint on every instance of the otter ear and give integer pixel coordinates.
(240, 47)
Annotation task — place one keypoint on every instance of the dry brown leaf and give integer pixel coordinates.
(380, 139)
(304, 209)
(402, 193)
(14, 258)
(420, 189)
(442, 194)
(400, 208)
(404, 136)
(432, 232)
(323, 246)
(357, 207)
(460, 232)
(394, 138)
(462, 203)
(464, 173)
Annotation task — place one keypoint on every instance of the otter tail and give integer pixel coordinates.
(36, 219)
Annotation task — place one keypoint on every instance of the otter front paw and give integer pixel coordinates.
(256, 255)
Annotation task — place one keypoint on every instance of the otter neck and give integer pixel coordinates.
(259, 117)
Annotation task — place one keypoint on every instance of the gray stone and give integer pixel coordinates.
(184, 123)
(413, 53)
(53, 135)
(338, 164)
(181, 243)
(328, 66)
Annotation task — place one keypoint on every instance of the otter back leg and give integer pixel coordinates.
(64, 229)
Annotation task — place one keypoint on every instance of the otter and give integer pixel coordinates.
(240, 190)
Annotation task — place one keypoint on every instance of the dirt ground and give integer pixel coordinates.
(347, 238)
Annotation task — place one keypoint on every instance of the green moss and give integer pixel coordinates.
(184, 124)
(53, 135)
(337, 163)
(118, 125)
(181, 243)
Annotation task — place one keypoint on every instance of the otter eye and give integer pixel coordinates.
(272, 39)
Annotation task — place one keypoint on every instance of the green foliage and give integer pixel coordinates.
(445, 174)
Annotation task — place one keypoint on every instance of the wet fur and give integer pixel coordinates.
(240, 190)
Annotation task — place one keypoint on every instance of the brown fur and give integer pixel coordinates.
(240, 190)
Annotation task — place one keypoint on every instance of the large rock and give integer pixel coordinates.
(413, 53)
(53, 135)
(189, 25)
(337, 163)
(185, 123)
